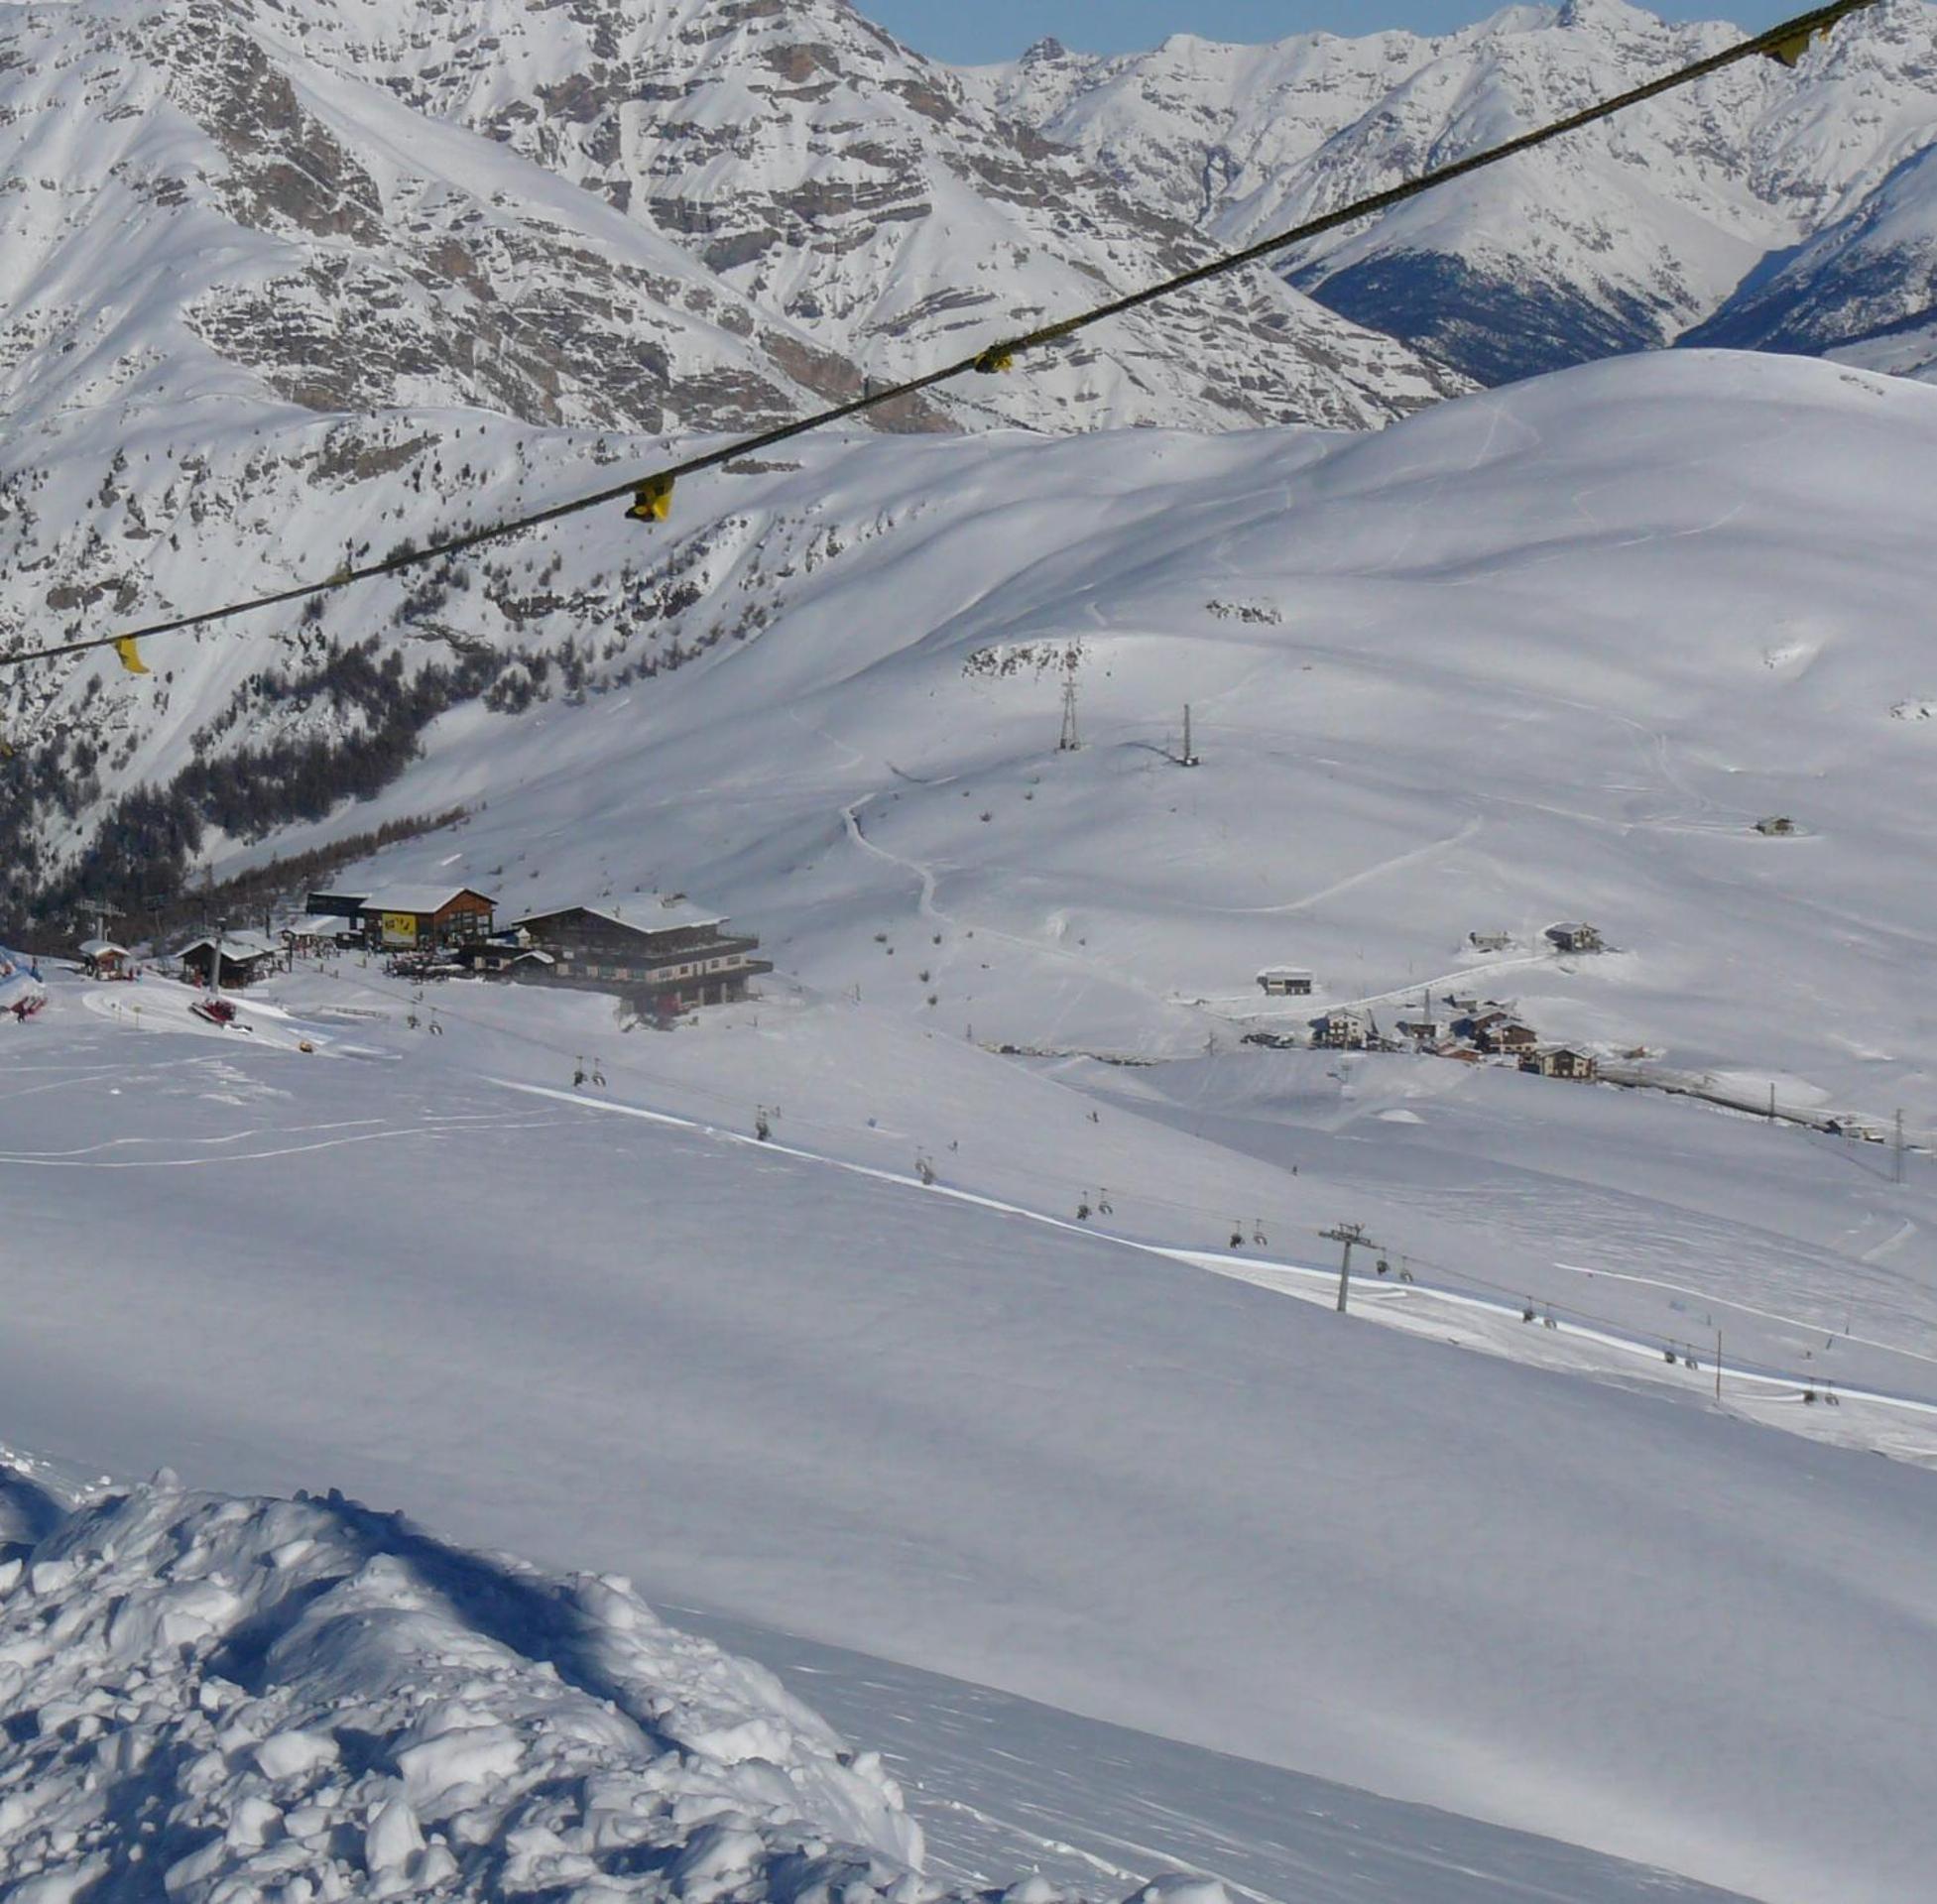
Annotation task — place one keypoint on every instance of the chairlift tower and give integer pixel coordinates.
(1068, 742)
(1188, 757)
(1351, 1235)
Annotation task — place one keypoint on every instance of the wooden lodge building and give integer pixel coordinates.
(399, 918)
(408, 918)
(1344, 1028)
(103, 959)
(1563, 1061)
(244, 958)
(1499, 1032)
(665, 958)
(1576, 936)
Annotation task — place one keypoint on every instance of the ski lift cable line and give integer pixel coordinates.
(651, 494)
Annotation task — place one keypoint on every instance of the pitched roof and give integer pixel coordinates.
(237, 947)
(650, 913)
(97, 948)
(419, 898)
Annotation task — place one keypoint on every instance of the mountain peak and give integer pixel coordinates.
(1620, 238)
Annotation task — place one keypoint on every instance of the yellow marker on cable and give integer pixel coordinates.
(996, 359)
(1789, 52)
(653, 502)
(130, 655)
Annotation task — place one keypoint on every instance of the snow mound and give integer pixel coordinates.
(215, 1698)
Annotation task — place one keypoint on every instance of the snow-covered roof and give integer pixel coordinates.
(648, 913)
(236, 946)
(101, 949)
(419, 898)
(1283, 972)
(316, 922)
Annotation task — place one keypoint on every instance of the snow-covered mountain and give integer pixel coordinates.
(197, 219)
(1621, 237)
(1864, 290)
(277, 285)
(867, 194)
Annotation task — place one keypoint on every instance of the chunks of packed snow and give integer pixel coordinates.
(212, 1698)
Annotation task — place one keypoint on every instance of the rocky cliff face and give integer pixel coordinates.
(868, 195)
(1627, 236)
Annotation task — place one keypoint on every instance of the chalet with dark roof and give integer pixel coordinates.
(664, 956)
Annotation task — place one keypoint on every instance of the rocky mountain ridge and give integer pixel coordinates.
(873, 197)
(1761, 206)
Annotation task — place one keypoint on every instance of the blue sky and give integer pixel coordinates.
(984, 30)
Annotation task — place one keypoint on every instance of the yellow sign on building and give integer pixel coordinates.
(398, 928)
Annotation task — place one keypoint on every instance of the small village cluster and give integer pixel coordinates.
(1464, 1027)
(664, 956)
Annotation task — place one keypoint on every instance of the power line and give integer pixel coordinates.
(652, 495)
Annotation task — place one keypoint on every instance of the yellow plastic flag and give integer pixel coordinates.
(130, 655)
(654, 501)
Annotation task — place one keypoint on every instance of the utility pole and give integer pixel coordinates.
(1068, 743)
(215, 960)
(1718, 1368)
(1899, 1146)
(1347, 1234)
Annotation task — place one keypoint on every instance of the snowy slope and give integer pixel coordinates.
(392, 1714)
(1541, 654)
(1619, 238)
(260, 312)
(941, 1432)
